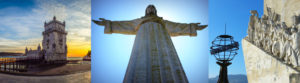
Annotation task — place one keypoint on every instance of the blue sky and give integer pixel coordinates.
(17, 3)
(235, 13)
(111, 52)
(22, 23)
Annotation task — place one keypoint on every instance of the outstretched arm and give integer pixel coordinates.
(123, 27)
(180, 29)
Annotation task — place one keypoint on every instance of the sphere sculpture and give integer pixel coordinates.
(224, 48)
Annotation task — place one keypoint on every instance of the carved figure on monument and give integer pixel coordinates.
(284, 43)
(264, 35)
(276, 48)
(251, 27)
(290, 56)
(295, 39)
(293, 58)
(267, 42)
(261, 35)
(270, 13)
(296, 20)
(257, 31)
(285, 51)
(275, 37)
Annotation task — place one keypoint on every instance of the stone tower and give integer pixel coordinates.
(26, 50)
(54, 41)
(39, 48)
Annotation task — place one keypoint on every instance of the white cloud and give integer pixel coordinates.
(7, 45)
(17, 28)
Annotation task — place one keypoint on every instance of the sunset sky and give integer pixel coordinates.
(22, 24)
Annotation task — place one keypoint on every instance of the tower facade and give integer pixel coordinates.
(54, 41)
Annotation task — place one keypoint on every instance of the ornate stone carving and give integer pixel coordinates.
(275, 37)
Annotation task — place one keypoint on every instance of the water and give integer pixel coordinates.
(79, 77)
(82, 77)
(12, 56)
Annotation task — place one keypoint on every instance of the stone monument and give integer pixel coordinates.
(271, 49)
(54, 41)
(153, 57)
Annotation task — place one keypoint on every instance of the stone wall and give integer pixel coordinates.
(34, 54)
(262, 67)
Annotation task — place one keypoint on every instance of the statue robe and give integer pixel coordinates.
(153, 57)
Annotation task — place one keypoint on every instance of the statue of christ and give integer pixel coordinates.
(153, 57)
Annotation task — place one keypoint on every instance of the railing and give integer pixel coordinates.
(16, 64)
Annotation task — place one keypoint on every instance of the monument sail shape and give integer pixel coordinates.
(271, 49)
(153, 57)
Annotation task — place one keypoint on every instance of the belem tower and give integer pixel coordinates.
(54, 43)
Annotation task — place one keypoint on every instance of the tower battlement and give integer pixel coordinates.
(54, 26)
(54, 20)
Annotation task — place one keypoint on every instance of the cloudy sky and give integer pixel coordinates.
(22, 23)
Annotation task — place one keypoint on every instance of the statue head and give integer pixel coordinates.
(151, 11)
(283, 25)
(294, 30)
(253, 12)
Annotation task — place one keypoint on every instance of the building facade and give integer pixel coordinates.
(34, 54)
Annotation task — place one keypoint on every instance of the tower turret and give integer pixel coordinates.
(26, 50)
(54, 18)
(39, 47)
(45, 23)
